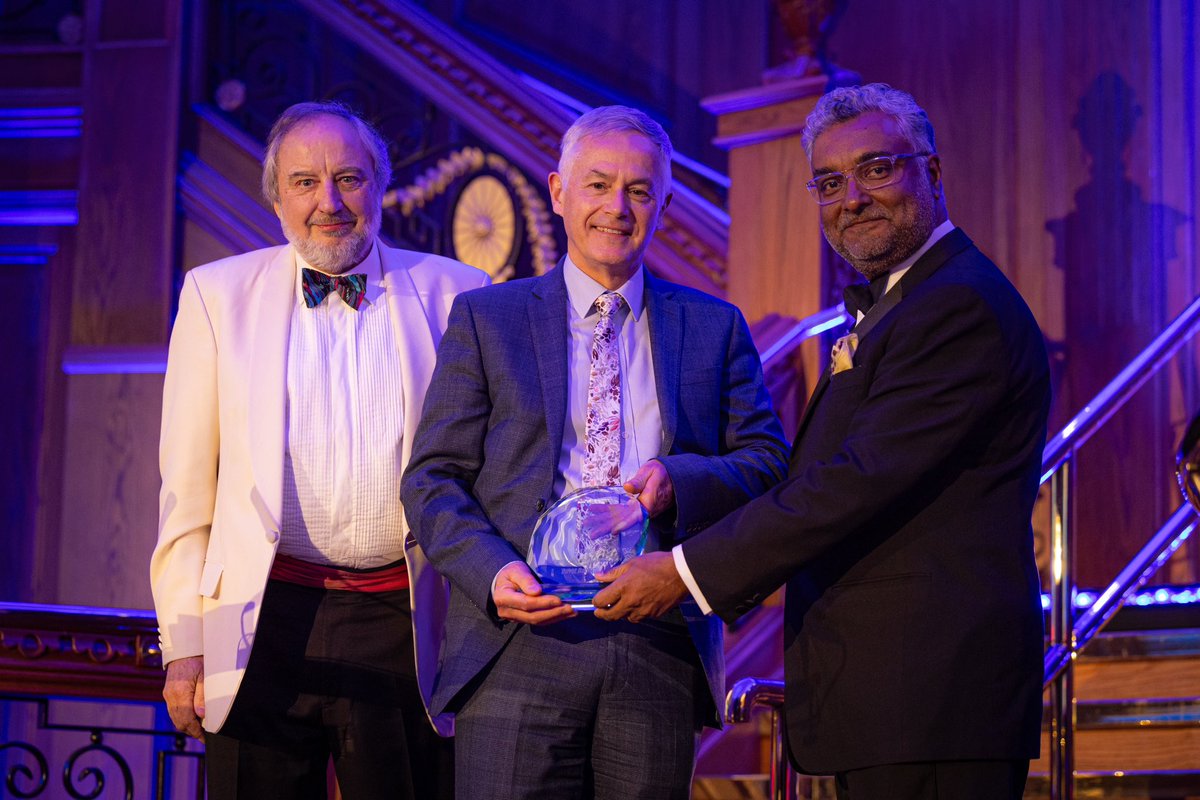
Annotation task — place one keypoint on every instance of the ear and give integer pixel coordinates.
(662, 209)
(556, 186)
(277, 208)
(934, 168)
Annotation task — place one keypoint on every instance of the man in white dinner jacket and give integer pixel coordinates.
(298, 621)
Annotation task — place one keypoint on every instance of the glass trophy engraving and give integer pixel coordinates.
(588, 531)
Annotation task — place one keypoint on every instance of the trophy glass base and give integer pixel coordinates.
(577, 595)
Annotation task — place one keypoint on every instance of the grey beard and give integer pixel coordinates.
(903, 244)
(340, 256)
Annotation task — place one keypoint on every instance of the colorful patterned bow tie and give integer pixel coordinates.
(316, 285)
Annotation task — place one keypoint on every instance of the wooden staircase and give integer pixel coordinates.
(1138, 710)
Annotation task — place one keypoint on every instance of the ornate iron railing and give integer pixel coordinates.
(55, 660)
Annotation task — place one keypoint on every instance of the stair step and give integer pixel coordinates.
(1173, 785)
(1089, 785)
(1181, 643)
(1143, 664)
(1131, 749)
(1140, 713)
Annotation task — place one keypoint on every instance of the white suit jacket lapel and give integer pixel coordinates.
(268, 383)
(415, 338)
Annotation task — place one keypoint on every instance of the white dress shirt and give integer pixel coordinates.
(345, 426)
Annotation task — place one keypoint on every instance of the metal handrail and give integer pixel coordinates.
(806, 328)
(1156, 552)
(1070, 635)
(1113, 396)
(748, 694)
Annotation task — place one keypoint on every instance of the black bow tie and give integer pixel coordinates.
(861, 296)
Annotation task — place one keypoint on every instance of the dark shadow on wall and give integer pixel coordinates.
(1114, 249)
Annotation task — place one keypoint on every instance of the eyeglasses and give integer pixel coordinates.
(874, 173)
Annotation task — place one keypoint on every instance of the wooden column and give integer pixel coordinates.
(776, 251)
(120, 302)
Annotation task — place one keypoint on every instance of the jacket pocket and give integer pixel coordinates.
(210, 579)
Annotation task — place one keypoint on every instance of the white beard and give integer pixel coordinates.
(339, 256)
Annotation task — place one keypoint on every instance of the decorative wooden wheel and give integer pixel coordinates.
(484, 226)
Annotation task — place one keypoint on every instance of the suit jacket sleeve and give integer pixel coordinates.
(751, 453)
(448, 454)
(188, 453)
(938, 381)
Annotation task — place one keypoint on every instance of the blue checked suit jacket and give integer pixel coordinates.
(486, 453)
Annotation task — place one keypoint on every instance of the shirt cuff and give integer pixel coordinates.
(492, 593)
(688, 581)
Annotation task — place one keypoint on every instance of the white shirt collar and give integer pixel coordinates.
(897, 272)
(582, 290)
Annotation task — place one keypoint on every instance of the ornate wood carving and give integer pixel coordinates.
(70, 651)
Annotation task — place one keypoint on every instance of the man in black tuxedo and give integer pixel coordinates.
(913, 624)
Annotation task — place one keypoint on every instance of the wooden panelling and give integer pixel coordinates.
(109, 489)
(200, 246)
(124, 279)
(21, 329)
(776, 255)
(48, 68)
(39, 164)
(41, 566)
(231, 152)
(133, 20)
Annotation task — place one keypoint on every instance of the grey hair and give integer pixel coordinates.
(372, 141)
(613, 119)
(848, 102)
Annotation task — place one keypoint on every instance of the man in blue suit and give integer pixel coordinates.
(552, 703)
(913, 622)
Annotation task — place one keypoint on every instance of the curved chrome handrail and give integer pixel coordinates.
(751, 693)
(1069, 635)
(806, 328)
(748, 694)
(1118, 391)
(1156, 552)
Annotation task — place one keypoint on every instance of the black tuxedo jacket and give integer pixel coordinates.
(913, 625)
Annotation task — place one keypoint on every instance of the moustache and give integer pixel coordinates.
(846, 221)
(330, 219)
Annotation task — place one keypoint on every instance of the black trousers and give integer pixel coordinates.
(935, 780)
(331, 675)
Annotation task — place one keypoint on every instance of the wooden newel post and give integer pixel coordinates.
(777, 257)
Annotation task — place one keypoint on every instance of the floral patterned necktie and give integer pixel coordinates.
(602, 458)
(316, 285)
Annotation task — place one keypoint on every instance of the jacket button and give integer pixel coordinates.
(541, 506)
(272, 536)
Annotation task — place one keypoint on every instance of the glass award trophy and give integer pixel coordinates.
(588, 531)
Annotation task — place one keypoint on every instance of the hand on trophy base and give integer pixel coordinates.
(643, 588)
(519, 597)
